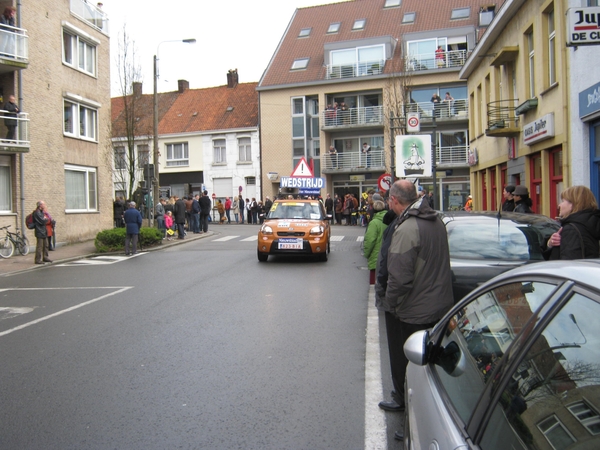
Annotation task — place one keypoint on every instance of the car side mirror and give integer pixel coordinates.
(451, 359)
(415, 348)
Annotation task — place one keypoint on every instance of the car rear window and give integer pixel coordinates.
(489, 240)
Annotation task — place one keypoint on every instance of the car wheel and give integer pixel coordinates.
(328, 246)
(262, 257)
(323, 256)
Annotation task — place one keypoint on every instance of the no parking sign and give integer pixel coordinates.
(384, 182)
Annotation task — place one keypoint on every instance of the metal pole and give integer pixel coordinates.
(155, 181)
(434, 163)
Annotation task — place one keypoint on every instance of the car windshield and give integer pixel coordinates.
(295, 210)
(487, 238)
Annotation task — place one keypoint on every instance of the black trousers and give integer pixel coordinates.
(397, 334)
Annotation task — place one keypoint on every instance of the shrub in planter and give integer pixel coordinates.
(113, 240)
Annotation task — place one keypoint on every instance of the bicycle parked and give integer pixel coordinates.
(12, 240)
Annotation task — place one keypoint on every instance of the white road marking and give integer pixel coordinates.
(64, 311)
(98, 260)
(360, 238)
(225, 238)
(9, 312)
(250, 239)
(375, 426)
(337, 238)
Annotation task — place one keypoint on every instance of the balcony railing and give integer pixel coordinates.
(454, 156)
(358, 69)
(431, 61)
(353, 161)
(14, 44)
(368, 115)
(503, 120)
(90, 13)
(453, 109)
(14, 131)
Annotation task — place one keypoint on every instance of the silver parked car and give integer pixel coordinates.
(514, 365)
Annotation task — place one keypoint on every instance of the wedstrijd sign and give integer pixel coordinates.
(541, 129)
(583, 26)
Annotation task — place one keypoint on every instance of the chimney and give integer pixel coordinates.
(137, 89)
(183, 85)
(232, 78)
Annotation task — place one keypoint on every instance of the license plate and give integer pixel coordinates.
(290, 244)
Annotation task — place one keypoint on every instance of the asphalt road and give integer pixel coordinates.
(199, 346)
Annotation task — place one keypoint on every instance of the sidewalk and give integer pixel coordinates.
(70, 252)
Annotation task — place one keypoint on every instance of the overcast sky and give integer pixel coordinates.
(233, 34)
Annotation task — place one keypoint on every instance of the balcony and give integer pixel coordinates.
(353, 162)
(453, 110)
(502, 118)
(14, 49)
(353, 70)
(430, 61)
(370, 116)
(450, 157)
(91, 14)
(20, 140)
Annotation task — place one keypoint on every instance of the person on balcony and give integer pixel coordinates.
(344, 113)
(448, 102)
(7, 23)
(334, 157)
(366, 150)
(440, 57)
(10, 118)
(330, 116)
(437, 103)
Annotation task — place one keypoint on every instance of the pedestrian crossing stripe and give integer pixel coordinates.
(98, 260)
(250, 239)
(336, 238)
(226, 238)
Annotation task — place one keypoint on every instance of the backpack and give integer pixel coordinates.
(29, 222)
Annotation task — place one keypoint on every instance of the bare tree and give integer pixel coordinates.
(130, 126)
(397, 98)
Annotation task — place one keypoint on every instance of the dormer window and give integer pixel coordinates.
(409, 17)
(301, 63)
(334, 27)
(359, 24)
(392, 3)
(461, 13)
(304, 32)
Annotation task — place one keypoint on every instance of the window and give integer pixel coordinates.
(81, 189)
(219, 151)
(301, 63)
(120, 158)
(5, 185)
(250, 181)
(334, 27)
(359, 24)
(304, 32)
(409, 17)
(79, 53)
(392, 3)
(556, 433)
(357, 61)
(588, 417)
(177, 155)
(87, 128)
(245, 149)
(531, 65)
(143, 154)
(551, 49)
(460, 13)
(422, 54)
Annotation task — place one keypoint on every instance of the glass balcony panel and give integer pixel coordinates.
(14, 130)
(91, 14)
(14, 43)
(369, 115)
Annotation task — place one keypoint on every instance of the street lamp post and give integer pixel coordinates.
(156, 182)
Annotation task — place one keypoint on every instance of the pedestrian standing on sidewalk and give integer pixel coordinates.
(236, 210)
(205, 205)
(179, 217)
(133, 223)
(41, 234)
(160, 217)
(241, 205)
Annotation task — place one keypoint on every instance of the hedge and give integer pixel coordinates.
(113, 240)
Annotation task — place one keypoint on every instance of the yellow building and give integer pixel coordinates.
(56, 63)
(518, 86)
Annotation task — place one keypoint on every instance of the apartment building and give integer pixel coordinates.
(55, 61)
(526, 122)
(208, 140)
(346, 75)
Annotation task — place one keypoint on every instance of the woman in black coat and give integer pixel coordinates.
(522, 201)
(580, 226)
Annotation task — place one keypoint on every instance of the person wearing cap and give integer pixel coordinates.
(469, 203)
(522, 201)
(133, 223)
(509, 201)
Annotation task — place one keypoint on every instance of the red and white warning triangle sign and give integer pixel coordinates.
(303, 170)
